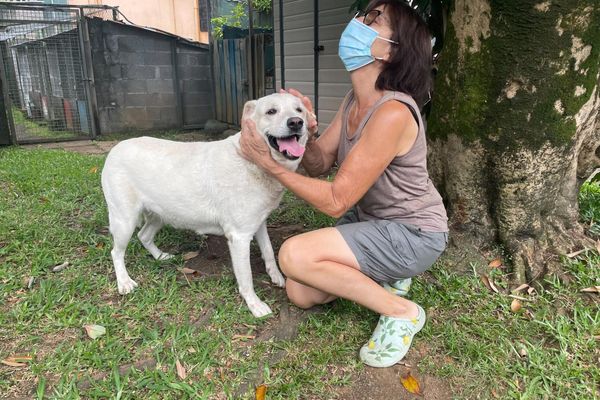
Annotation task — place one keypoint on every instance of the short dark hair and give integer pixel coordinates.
(409, 68)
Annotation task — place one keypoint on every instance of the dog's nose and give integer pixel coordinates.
(295, 123)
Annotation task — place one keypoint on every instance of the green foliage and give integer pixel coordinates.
(239, 16)
(589, 207)
(263, 6)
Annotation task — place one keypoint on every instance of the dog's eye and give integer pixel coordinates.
(299, 109)
(272, 111)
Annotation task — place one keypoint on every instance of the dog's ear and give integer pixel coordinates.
(249, 108)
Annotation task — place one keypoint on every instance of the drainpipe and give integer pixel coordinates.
(174, 18)
(281, 45)
(251, 70)
(197, 18)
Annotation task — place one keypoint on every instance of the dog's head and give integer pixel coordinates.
(281, 119)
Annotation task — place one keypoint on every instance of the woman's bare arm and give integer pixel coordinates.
(321, 153)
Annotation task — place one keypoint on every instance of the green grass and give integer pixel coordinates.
(589, 203)
(39, 129)
(52, 210)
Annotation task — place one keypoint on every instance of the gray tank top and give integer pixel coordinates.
(404, 192)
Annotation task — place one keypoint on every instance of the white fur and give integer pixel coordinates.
(206, 187)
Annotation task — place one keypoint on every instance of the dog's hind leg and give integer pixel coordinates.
(121, 228)
(239, 247)
(147, 233)
(266, 250)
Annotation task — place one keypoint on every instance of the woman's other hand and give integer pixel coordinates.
(253, 147)
(311, 124)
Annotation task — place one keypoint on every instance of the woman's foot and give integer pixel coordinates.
(391, 340)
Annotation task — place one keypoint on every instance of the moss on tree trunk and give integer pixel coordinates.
(515, 124)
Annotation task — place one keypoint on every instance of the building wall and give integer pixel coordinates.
(139, 86)
(179, 17)
(332, 81)
(298, 40)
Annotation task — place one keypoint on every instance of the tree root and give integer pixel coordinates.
(535, 257)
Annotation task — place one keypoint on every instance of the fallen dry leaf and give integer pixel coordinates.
(60, 267)
(28, 282)
(187, 271)
(190, 255)
(261, 392)
(489, 283)
(17, 361)
(514, 296)
(531, 291)
(598, 246)
(515, 306)
(411, 384)
(576, 253)
(495, 263)
(523, 352)
(94, 331)
(520, 288)
(180, 370)
(100, 245)
(529, 314)
(592, 289)
(93, 170)
(243, 337)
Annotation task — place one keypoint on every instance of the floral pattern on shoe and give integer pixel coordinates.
(399, 288)
(391, 340)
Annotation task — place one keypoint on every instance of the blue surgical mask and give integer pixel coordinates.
(355, 45)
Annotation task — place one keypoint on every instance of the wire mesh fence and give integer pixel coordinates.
(44, 71)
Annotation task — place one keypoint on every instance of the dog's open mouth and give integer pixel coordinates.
(288, 146)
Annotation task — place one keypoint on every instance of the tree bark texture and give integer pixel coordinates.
(515, 125)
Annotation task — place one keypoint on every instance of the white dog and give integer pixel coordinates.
(206, 187)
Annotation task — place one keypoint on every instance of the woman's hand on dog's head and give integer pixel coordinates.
(311, 124)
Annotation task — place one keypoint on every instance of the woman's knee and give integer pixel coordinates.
(298, 296)
(292, 256)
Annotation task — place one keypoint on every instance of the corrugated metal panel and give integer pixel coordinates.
(334, 81)
(298, 36)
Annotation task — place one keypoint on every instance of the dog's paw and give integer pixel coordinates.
(277, 278)
(165, 256)
(126, 286)
(259, 309)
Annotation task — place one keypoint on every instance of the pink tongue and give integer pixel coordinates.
(291, 145)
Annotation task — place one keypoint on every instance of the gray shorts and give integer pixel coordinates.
(388, 250)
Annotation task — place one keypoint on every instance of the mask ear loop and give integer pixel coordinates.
(387, 40)
(428, 99)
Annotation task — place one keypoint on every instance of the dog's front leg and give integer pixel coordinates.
(239, 247)
(266, 250)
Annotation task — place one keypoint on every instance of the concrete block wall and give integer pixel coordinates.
(195, 85)
(134, 71)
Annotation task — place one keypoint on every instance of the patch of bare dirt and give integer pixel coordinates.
(213, 259)
(385, 383)
(77, 146)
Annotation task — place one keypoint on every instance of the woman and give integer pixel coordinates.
(393, 223)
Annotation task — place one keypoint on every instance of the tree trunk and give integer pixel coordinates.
(515, 125)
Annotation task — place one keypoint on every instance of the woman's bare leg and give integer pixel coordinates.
(320, 267)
